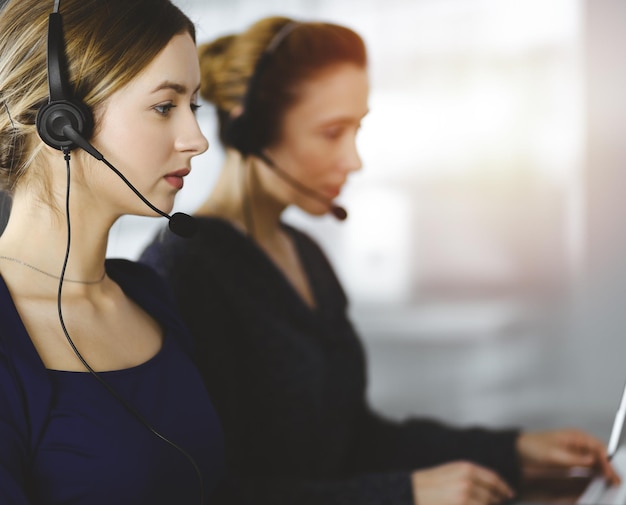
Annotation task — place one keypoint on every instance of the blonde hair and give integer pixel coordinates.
(228, 64)
(107, 43)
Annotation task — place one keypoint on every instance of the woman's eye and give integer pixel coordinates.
(164, 109)
(195, 107)
(333, 133)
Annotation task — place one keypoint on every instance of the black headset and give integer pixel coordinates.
(239, 132)
(65, 123)
(62, 108)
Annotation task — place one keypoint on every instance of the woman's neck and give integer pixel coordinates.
(35, 239)
(239, 198)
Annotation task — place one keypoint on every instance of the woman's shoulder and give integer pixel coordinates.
(215, 244)
(125, 269)
(139, 281)
(213, 235)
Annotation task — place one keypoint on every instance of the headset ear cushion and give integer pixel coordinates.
(238, 134)
(53, 117)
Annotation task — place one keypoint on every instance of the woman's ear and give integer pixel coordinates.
(236, 112)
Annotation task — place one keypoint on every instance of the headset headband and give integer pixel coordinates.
(238, 133)
(62, 110)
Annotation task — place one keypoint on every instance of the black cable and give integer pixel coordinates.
(95, 374)
(246, 197)
(128, 183)
(294, 182)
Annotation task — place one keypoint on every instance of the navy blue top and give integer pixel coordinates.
(65, 439)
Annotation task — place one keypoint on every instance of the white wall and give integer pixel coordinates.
(472, 151)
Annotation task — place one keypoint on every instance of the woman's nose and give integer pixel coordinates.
(191, 138)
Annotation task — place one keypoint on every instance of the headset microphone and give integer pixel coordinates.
(182, 224)
(339, 212)
(65, 123)
(336, 210)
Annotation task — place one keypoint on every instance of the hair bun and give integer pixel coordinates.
(212, 56)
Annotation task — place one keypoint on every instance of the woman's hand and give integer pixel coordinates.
(565, 449)
(459, 483)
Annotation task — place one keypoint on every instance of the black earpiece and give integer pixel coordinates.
(240, 135)
(62, 109)
(240, 132)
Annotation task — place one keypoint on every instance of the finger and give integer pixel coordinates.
(491, 481)
(566, 456)
(573, 448)
(606, 468)
(595, 450)
(483, 496)
(583, 442)
(485, 493)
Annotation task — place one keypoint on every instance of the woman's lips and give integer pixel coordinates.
(333, 192)
(175, 179)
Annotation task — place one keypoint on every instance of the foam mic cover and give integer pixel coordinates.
(183, 224)
(338, 212)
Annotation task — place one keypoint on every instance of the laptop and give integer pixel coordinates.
(598, 492)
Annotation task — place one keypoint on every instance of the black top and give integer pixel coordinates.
(289, 382)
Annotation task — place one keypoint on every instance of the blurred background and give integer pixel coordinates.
(482, 254)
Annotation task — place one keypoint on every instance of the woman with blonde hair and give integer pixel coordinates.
(100, 402)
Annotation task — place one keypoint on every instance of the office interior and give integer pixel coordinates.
(483, 253)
